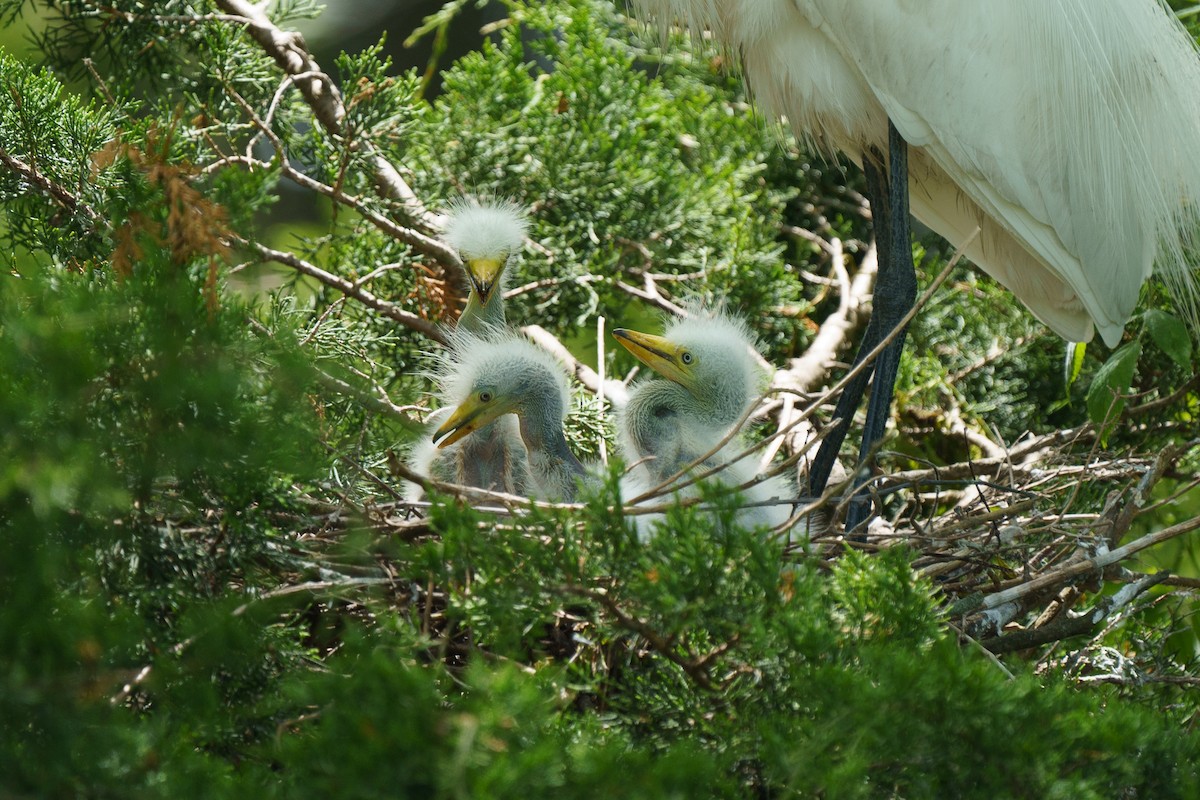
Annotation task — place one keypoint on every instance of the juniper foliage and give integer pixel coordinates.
(206, 585)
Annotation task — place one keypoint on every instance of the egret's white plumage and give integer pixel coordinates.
(490, 379)
(1066, 130)
(710, 379)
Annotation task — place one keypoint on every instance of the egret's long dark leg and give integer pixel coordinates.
(852, 393)
(895, 293)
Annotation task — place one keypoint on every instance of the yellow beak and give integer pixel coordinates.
(661, 355)
(470, 416)
(485, 273)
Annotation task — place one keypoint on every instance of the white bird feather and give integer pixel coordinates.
(1068, 131)
(485, 228)
(487, 234)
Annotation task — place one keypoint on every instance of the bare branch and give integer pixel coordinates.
(696, 667)
(322, 95)
(805, 373)
(1068, 626)
(615, 391)
(419, 241)
(1095, 564)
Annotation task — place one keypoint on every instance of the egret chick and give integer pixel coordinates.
(495, 459)
(708, 354)
(710, 381)
(487, 236)
(510, 375)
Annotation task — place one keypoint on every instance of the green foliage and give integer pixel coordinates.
(1171, 335)
(56, 135)
(206, 588)
(1111, 383)
(971, 348)
(494, 732)
(627, 173)
(130, 500)
(842, 684)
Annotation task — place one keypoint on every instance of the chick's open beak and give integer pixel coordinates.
(661, 355)
(485, 274)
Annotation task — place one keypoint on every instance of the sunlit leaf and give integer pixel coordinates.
(1073, 363)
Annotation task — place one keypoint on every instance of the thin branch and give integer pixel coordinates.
(171, 19)
(91, 68)
(808, 236)
(547, 283)
(322, 95)
(651, 295)
(804, 373)
(1068, 626)
(426, 245)
(319, 586)
(1095, 564)
(58, 193)
(614, 390)
(348, 288)
(696, 668)
(429, 246)
(382, 404)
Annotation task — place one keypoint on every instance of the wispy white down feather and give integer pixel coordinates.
(1066, 130)
(728, 347)
(497, 356)
(485, 228)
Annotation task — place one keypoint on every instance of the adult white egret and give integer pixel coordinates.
(510, 375)
(487, 235)
(710, 381)
(1067, 131)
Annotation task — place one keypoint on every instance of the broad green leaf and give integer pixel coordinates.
(1171, 336)
(1112, 380)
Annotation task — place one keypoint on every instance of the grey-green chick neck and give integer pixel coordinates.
(664, 425)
